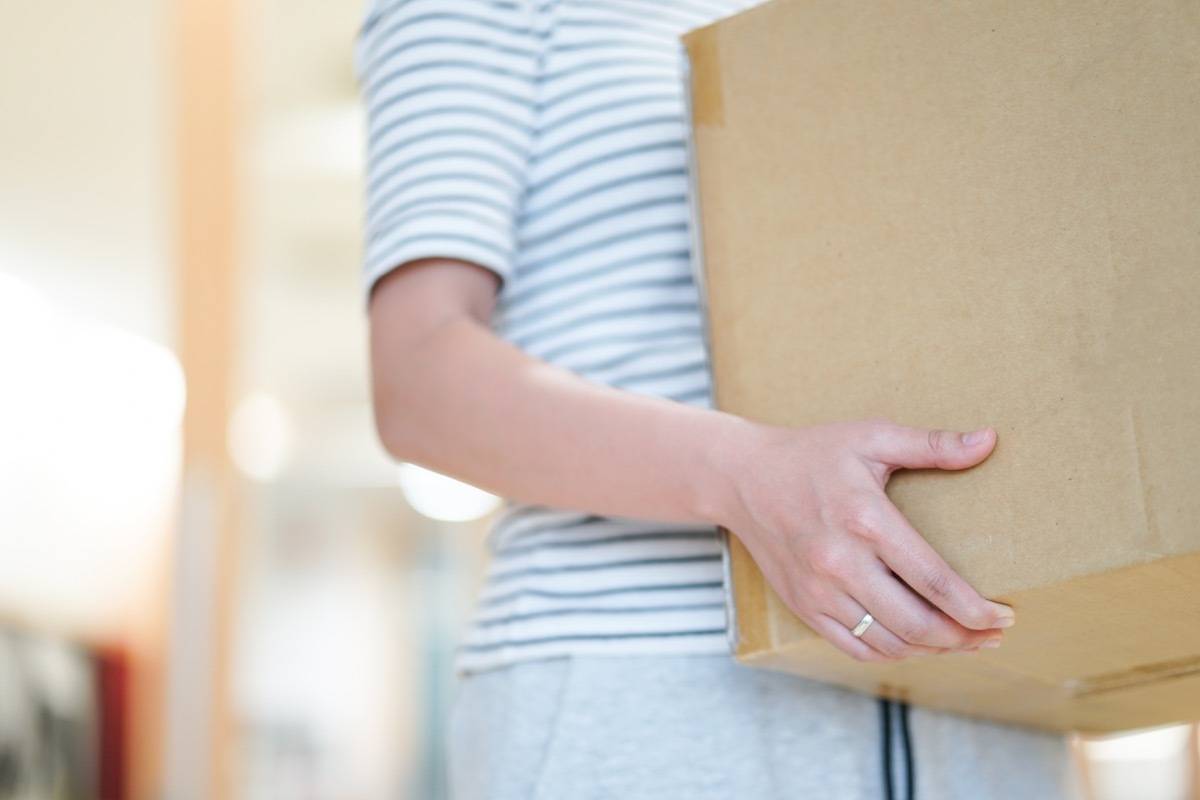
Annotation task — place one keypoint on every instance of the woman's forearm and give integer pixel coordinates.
(452, 396)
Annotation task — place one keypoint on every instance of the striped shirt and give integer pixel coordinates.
(546, 140)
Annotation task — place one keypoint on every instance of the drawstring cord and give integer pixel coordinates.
(910, 773)
(885, 752)
(885, 744)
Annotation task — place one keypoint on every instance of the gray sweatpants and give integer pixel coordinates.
(703, 727)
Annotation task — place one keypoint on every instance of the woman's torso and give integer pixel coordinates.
(603, 285)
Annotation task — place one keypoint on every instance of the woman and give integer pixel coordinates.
(536, 330)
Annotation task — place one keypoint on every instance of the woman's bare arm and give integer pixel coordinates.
(809, 503)
(451, 395)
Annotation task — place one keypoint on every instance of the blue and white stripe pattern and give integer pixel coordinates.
(546, 141)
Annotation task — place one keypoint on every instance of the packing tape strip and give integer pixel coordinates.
(708, 106)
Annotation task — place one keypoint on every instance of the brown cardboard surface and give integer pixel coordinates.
(967, 214)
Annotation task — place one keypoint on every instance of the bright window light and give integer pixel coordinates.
(439, 497)
(89, 459)
(1151, 745)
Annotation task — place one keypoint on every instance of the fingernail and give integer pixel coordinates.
(974, 437)
(992, 643)
(1005, 616)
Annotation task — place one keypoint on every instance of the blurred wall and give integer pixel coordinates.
(84, 180)
(90, 409)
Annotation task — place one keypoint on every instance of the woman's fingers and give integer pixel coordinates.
(924, 448)
(902, 548)
(907, 554)
(910, 617)
(840, 637)
(906, 624)
(878, 634)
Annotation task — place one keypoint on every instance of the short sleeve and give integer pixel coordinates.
(449, 88)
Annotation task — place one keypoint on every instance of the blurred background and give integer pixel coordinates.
(213, 583)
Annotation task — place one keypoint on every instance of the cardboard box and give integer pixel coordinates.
(958, 214)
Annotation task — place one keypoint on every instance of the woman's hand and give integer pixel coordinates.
(809, 504)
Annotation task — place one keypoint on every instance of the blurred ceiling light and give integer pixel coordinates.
(1152, 745)
(442, 498)
(259, 436)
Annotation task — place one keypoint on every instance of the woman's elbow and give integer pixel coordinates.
(416, 313)
(389, 433)
(394, 419)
